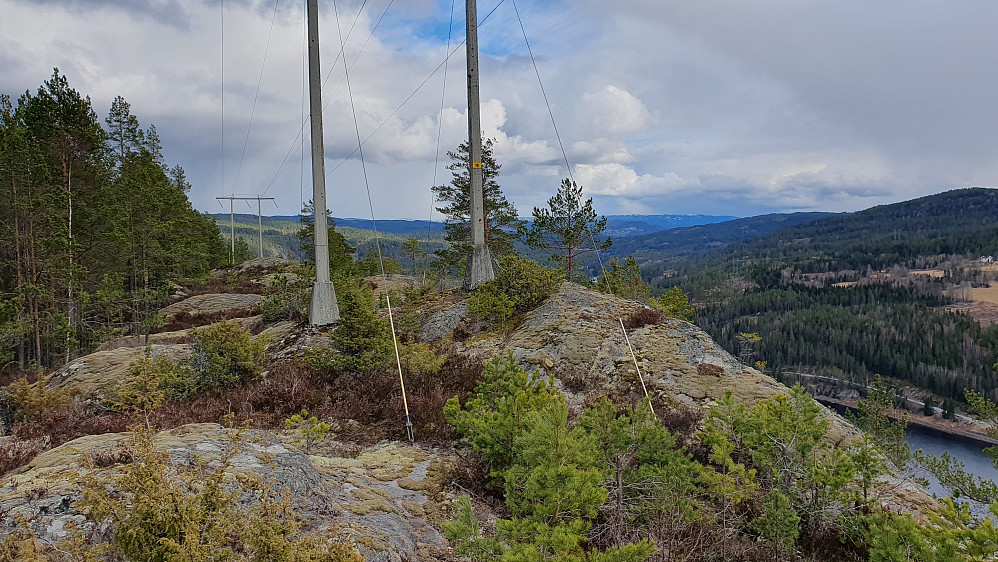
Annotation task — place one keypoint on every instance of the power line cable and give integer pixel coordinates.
(392, 114)
(256, 96)
(377, 237)
(414, 92)
(571, 177)
(301, 130)
(440, 125)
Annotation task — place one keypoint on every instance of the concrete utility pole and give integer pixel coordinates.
(324, 310)
(232, 217)
(479, 266)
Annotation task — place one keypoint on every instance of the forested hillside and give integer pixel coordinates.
(834, 295)
(958, 222)
(95, 224)
(670, 245)
(858, 332)
(620, 226)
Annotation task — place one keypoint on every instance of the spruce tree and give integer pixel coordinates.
(500, 216)
(363, 339)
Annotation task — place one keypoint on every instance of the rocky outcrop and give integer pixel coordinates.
(389, 498)
(213, 303)
(93, 375)
(576, 336)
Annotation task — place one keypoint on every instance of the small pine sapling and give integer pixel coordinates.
(310, 430)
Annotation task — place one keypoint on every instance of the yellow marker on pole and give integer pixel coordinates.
(476, 164)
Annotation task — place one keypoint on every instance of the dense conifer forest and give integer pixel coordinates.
(95, 225)
(833, 296)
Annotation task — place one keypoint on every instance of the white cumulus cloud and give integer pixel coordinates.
(616, 111)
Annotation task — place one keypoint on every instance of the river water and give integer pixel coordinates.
(964, 450)
(935, 443)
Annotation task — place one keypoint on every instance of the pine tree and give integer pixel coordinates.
(94, 221)
(624, 280)
(122, 129)
(412, 249)
(340, 252)
(501, 221)
(674, 304)
(568, 226)
(68, 209)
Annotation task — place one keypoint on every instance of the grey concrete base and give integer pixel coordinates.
(479, 269)
(324, 310)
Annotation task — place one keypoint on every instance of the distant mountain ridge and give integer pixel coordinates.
(619, 226)
(839, 295)
(680, 242)
(616, 225)
(392, 226)
(957, 222)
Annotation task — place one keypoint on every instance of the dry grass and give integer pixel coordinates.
(643, 317)
(287, 389)
(985, 294)
(245, 283)
(55, 426)
(364, 407)
(62, 424)
(374, 401)
(15, 453)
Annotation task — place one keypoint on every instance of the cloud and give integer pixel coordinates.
(169, 12)
(623, 181)
(663, 106)
(601, 151)
(617, 111)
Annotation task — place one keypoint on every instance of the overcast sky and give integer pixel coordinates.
(663, 106)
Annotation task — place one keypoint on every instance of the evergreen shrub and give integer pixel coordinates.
(520, 285)
(222, 354)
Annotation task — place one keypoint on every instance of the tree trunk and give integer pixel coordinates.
(18, 266)
(71, 307)
(34, 298)
(571, 262)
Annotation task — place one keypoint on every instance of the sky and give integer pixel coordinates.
(661, 106)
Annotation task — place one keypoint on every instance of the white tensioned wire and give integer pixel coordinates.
(377, 235)
(300, 135)
(571, 176)
(440, 125)
(301, 170)
(398, 108)
(259, 82)
(415, 91)
(221, 97)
